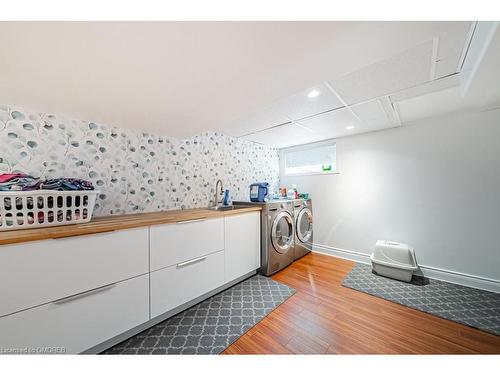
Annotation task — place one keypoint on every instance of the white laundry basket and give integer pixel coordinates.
(395, 260)
(45, 208)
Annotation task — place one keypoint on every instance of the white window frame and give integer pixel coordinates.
(284, 151)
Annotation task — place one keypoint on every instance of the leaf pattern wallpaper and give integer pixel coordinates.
(134, 171)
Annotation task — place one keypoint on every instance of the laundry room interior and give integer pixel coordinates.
(249, 187)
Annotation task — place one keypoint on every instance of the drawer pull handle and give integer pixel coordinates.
(84, 294)
(71, 236)
(191, 221)
(187, 263)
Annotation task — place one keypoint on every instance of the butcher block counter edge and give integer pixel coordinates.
(116, 222)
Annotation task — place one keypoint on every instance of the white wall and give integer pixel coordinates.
(434, 184)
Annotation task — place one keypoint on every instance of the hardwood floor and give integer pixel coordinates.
(324, 317)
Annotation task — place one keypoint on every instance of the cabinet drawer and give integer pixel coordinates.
(175, 243)
(79, 322)
(35, 273)
(178, 284)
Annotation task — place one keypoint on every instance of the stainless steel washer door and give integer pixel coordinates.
(282, 232)
(304, 224)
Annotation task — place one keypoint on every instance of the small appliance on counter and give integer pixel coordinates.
(259, 191)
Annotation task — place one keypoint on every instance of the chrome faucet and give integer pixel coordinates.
(216, 198)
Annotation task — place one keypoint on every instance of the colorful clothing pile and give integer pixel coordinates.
(18, 182)
(66, 184)
(24, 182)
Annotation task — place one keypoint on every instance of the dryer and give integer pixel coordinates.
(303, 216)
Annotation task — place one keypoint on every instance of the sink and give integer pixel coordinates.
(224, 208)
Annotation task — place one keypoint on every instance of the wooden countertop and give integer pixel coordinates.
(116, 222)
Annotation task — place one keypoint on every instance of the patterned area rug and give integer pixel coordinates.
(473, 307)
(212, 325)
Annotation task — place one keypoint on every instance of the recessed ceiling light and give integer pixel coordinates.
(313, 94)
(349, 127)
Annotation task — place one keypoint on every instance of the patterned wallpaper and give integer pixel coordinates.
(134, 171)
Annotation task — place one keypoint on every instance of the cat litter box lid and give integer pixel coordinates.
(394, 254)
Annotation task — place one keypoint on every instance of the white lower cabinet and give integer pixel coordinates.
(80, 322)
(242, 244)
(75, 293)
(185, 281)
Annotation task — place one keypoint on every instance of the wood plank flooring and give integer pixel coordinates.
(324, 317)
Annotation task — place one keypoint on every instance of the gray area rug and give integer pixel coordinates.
(473, 307)
(212, 325)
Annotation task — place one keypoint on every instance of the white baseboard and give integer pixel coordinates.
(342, 253)
(428, 271)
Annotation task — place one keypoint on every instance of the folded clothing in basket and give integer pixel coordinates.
(18, 182)
(66, 184)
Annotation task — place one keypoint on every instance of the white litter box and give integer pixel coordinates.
(393, 259)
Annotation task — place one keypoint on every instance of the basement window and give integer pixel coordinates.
(318, 158)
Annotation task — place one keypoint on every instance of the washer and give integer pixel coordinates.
(277, 235)
(303, 216)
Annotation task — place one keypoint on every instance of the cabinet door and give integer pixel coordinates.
(79, 322)
(34, 273)
(242, 244)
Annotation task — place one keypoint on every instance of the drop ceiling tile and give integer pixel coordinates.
(400, 72)
(372, 113)
(261, 120)
(426, 88)
(285, 136)
(342, 122)
(450, 47)
(336, 124)
(453, 42)
(300, 105)
(430, 105)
